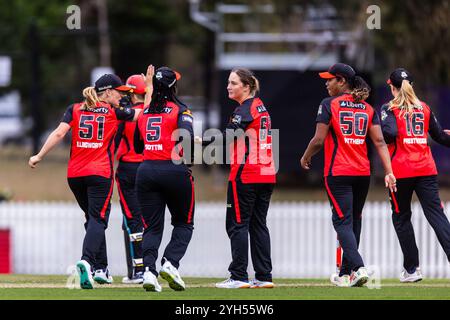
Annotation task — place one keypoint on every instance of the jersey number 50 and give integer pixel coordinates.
(353, 123)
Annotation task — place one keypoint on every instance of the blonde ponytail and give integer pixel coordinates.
(406, 99)
(255, 87)
(91, 98)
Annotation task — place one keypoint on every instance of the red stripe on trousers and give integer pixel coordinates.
(394, 200)
(236, 202)
(191, 209)
(143, 222)
(333, 200)
(122, 198)
(108, 198)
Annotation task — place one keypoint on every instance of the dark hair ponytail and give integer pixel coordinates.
(360, 89)
(161, 94)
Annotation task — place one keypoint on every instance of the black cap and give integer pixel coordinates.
(396, 78)
(338, 70)
(110, 81)
(166, 76)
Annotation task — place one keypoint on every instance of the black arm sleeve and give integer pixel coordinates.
(324, 112)
(118, 136)
(126, 114)
(138, 142)
(186, 121)
(388, 124)
(436, 131)
(68, 115)
(375, 119)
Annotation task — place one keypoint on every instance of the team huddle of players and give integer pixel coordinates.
(136, 123)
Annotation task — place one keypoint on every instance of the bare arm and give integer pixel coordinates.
(315, 145)
(377, 138)
(137, 113)
(53, 139)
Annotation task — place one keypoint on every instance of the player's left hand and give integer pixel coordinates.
(447, 131)
(390, 182)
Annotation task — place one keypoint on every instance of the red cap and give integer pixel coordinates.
(136, 84)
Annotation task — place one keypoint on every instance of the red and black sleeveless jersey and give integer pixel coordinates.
(155, 131)
(125, 151)
(345, 144)
(93, 133)
(251, 157)
(407, 138)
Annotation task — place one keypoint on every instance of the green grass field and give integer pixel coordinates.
(32, 287)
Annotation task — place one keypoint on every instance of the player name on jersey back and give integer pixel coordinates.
(415, 140)
(354, 141)
(89, 145)
(154, 147)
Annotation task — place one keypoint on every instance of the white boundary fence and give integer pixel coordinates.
(47, 239)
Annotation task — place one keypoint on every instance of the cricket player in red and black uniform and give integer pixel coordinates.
(344, 121)
(163, 179)
(250, 184)
(406, 123)
(90, 170)
(129, 162)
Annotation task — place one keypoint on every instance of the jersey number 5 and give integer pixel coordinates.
(153, 129)
(87, 123)
(353, 123)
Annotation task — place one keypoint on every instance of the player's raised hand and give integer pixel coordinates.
(148, 78)
(447, 131)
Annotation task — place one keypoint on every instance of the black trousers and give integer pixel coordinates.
(132, 218)
(93, 194)
(161, 183)
(427, 190)
(347, 195)
(247, 207)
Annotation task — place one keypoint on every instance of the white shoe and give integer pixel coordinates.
(232, 284)
(343, 281)
(138, 278)
(102, 276)
(411, 277)
(169, 273)
(255, 283)
(359, 278)
(150, 282)
(85, 274)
